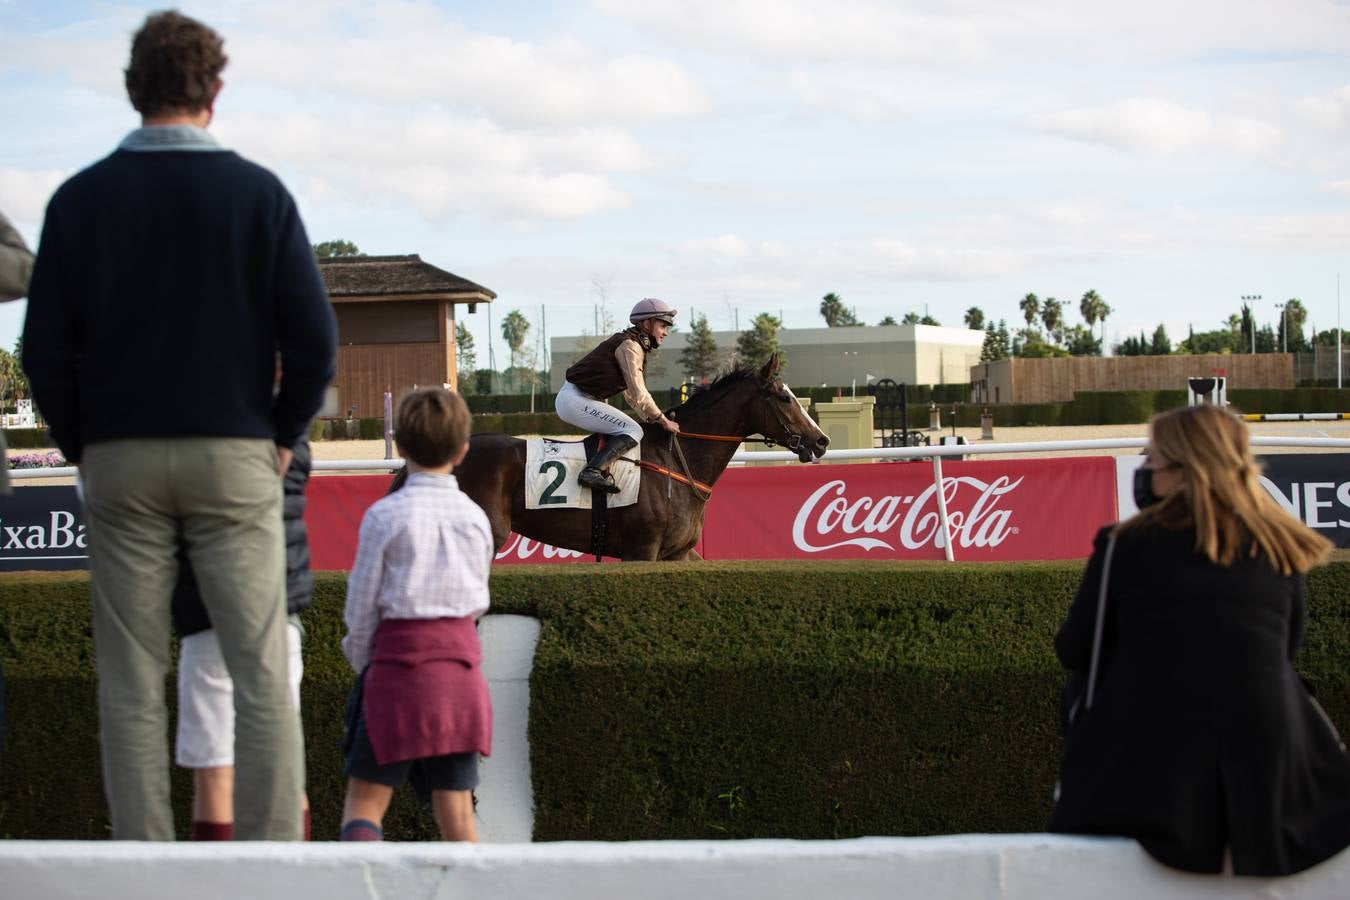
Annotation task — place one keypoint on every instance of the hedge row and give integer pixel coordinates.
(669, 701)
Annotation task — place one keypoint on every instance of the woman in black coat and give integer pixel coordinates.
(1202, 739)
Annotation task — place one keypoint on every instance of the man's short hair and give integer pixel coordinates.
(432, 425)
(175, 63)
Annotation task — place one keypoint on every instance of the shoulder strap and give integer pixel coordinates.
(1101, 622)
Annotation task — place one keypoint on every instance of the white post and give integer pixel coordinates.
(942, 509)
(1338, 329)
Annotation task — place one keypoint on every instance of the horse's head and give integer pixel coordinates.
(781, 417)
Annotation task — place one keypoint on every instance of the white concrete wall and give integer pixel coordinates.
(505, 798)
(1013, 867)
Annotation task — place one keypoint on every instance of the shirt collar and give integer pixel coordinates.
(170, 137)
(431, 479)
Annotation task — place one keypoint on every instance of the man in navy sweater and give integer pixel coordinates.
(169, 277)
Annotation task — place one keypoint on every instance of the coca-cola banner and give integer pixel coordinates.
(998, 510)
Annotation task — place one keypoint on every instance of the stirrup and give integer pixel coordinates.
(592, 477)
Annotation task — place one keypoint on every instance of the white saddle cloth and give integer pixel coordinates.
(551, 470)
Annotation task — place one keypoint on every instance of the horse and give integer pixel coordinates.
(667, 520)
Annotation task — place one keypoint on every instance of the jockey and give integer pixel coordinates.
(616, 365)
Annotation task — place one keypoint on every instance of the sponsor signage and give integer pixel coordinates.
(997, 510)
(42, 528)
(1313, 487)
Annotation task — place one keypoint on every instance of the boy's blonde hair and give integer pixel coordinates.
(1221, 496)
(432, 426)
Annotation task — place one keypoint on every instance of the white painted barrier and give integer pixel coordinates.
(1010, 867)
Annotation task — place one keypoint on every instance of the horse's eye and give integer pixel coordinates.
(784, 396)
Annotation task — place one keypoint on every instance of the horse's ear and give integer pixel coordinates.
(769, 369)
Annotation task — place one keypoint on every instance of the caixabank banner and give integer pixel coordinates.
(1313, 487)
(42, 528)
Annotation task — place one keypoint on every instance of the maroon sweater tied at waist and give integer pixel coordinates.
(425, 694)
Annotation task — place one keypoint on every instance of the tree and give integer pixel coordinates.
(995, 342)
(514, 328)
(911, 318)
(974, 318)
(835, 313)
(1161, 345)
(889, 320)
(698, 359)
(466, 360)
(1132, 346)
(757, 343)
(1327, 338)
(330, 249)
(1082, 342)
(1031, 308)
(1296, 315)
(1052, 317)
(1093, 309)
(1223, 340)
(929, 320)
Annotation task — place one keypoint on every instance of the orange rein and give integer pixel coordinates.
(662, 470)
(711, 437)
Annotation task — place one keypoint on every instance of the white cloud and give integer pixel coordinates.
(444, 165)
(837, 96)
(1338, 187)
(729, 246)
(986, 31)
(1163, 127)
(25, 193)
(430, 58)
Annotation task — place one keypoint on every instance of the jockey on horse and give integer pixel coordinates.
(616, 366)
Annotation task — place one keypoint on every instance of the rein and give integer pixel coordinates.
(727, 437)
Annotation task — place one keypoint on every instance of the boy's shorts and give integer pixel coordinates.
(452, 772)
(205, 738)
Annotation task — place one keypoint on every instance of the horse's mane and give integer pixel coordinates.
(704, 397)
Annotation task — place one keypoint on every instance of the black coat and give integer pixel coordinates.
(189, 614)
(1201, 735)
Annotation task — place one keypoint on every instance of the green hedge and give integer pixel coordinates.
(804, 699)
(27, 438)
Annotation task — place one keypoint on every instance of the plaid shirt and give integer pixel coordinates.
(424, 553)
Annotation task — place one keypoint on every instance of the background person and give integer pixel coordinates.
(169, 277)
(204, 741)
(1202, 738)
(416, 589)
(617, 365)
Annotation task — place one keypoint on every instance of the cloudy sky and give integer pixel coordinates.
(746, 156)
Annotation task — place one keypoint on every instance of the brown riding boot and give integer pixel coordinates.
(594, 476)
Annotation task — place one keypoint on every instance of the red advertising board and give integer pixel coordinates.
(999, 510)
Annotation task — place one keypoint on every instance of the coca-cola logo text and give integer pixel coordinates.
(912, 521)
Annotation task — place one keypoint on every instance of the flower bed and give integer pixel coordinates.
(37, 459)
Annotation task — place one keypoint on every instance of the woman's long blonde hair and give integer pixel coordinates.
(1221, 496)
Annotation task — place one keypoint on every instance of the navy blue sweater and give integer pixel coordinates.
(165, 284)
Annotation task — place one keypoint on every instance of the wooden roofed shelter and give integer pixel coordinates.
(396, 326)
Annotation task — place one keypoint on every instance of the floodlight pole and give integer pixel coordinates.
(1248, 299)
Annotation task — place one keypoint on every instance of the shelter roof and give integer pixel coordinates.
(390, 277)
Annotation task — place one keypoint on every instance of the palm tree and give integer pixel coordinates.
(514, 328)
(833, 311)
(1052, 317)
(975, 318)
(1094, 309)
(1031, 308)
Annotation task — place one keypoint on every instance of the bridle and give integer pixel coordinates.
(795, 442)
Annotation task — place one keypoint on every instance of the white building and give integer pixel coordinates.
(907, 354)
